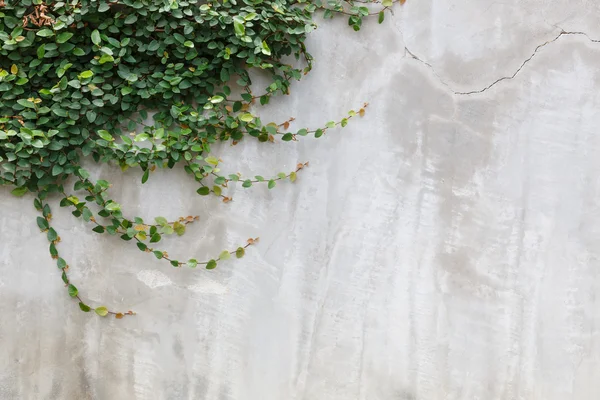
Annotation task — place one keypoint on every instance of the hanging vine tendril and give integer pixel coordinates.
(146, 84)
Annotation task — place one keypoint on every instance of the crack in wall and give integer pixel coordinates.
(504, 78)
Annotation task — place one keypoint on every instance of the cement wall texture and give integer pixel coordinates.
(445, 246)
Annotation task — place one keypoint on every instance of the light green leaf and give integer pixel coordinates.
(265, 48)
(96, 37)
(86, 74)
(73, 291)
(162, 221)
(179, 228)
(225, 255)
(238, 26)
(45, 32)
(247, 117)
(212, 160)
(105, 135)
(101, 311)
(19, 192)
(112, 206)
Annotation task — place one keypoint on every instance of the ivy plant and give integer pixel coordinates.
(146, 84)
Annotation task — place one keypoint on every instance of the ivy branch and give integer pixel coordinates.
(145, 85)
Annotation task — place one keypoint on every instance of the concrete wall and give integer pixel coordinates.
(445, 246)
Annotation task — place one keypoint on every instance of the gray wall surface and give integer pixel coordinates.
(445, 246)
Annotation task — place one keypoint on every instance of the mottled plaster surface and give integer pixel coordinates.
(445, 246)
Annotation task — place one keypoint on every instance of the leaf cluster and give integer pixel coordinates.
(144, 84)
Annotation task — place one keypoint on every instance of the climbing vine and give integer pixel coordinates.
(146, 84)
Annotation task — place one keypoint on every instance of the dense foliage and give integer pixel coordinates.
(144, 84)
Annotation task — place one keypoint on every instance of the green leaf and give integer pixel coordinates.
(247, 117)
(101, 311)
(293, 176)
(239, 28)
(42, 223)
(105, 58)
(192, 263)
(212, 264)
(63, 37)
(203, 191)
(53, 251)
(212, 160)
(217, 190)
(247, 183)
(146, 176)
(158, 254)
(179, 228)
(73, 291)
(52, 235)
(271, 184)
(96, 37)
(225, 255)
(87, 214)
(61, 263)
(83, 173)
(41, 51)
(105, 135)
(84, 307)
(112, 206)
(162, 221)
(57, 170)
(381, 16)
(45, 32)
(86, 74)
(131, 18)
(265, 48)
(19, 192)
(98, 229)
(239, 253)
(167, 230)
(26, 103)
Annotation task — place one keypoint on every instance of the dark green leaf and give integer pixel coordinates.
(239, 253)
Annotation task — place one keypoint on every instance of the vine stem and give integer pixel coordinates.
(54, 239)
